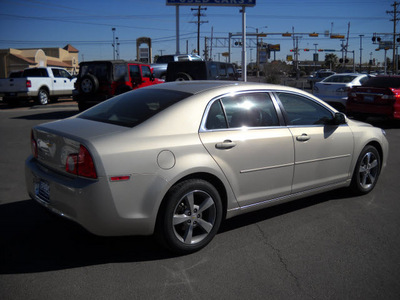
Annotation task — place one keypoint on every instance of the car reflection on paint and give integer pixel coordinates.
(177, 159)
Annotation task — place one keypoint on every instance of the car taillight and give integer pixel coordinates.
(81, 164)
(34, 146)
(28, 84)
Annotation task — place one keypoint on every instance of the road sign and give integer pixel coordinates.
(212, 2)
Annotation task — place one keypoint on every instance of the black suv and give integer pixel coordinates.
(201, 70)
(100, 80)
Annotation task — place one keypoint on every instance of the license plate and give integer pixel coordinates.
(368, 98)
(42, 190)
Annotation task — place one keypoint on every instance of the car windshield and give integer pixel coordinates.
(383, 82)
(340, 78)
(131, 109)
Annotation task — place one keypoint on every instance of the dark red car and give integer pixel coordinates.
(378, 96)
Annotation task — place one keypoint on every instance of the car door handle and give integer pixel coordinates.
(227, 144)
(303, 138)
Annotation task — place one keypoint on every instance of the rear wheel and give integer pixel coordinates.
(183, 77)
(43, 97)
(190, 217)
(367, 171)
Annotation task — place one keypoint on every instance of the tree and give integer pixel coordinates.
(331, 61)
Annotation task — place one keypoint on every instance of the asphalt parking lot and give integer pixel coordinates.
(329, 246)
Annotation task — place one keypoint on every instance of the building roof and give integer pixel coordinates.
(56, 63)
(29, 61)
(71, 49)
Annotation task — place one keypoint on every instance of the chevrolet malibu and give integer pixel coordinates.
(176, 159)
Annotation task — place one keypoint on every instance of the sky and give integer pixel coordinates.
(87, 25)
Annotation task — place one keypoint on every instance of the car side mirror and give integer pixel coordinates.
(339, 119)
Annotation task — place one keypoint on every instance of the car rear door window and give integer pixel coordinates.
(253, 109)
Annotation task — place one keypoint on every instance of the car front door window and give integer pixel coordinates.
(303, 111)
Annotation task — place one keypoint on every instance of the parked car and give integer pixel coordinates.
(334, 89)
(379, 96)
(100, 80)
(40, 84)
(161, 65)
(201, 70)
(318, 76)
(175, 159)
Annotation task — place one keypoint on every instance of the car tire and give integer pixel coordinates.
(190, 217)
(43, 97)
(183, 77)
(366, 172)
(89, 84)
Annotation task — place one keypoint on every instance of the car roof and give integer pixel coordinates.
(199, 86)
(120, 61)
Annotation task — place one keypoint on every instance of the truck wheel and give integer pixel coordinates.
(43, 97)
(183, 77)
(89, 84)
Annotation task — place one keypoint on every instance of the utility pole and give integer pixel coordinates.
(198, 22)
(361, 49)
(395, 19)
(113, 44)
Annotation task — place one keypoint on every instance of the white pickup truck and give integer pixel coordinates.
(41, 84)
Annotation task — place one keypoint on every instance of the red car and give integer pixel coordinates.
(100, 80)
(378, 96)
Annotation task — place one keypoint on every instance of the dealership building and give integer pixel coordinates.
(13, 60)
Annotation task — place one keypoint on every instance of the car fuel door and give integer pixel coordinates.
(243, 135)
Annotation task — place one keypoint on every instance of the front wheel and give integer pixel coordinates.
(367, 171)
(190, 217)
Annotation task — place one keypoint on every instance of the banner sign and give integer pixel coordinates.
(212, 2)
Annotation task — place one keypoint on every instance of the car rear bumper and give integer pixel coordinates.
(90, 203)
(373, 110)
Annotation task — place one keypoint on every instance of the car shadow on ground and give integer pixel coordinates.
(34, 240)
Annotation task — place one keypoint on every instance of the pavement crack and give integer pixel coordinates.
(283, 262)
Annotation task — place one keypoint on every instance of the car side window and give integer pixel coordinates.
(250, 110)
(216, 117)
(64, 74)
(146, 71)
(56, 73)
(364, 79)
(300, 110)
(120, 72)
(134, 71)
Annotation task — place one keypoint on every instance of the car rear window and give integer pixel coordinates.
(132, 108)
(383, 82)
(100, 70)
(340, 78)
